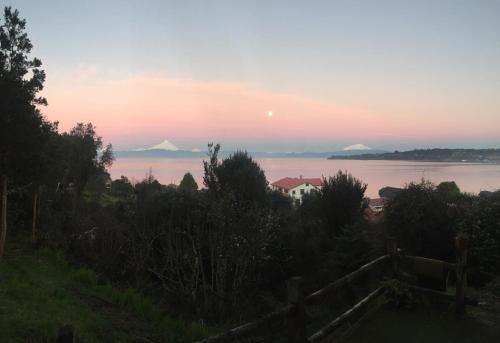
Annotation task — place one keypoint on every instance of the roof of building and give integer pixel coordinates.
(292, 182)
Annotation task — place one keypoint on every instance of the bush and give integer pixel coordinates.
(423, 222)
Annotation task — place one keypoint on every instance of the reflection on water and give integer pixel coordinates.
(470, 177)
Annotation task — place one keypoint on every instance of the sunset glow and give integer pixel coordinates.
(157, 77)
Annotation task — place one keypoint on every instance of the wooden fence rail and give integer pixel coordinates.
(337, 322)
(318, 295)
(295, 313)
(250, 328)
(295, 310)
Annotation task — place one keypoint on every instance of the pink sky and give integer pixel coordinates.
(392, 75)
(145, 109)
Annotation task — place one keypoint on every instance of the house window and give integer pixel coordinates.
(302, 191)
(286, 191)
(293, 192)
(307, 185)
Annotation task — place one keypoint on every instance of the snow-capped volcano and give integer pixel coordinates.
(357, 147)
(165, 145)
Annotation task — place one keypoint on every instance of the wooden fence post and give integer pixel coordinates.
(460, 265)
(297, 321)
(392, 249)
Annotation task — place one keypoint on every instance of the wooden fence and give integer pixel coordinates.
(295, 312)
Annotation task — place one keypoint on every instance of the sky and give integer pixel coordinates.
(388, 74)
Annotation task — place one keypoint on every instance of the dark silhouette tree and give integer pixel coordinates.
(210, 167)
(341, 201)
(238, 175)
(85, 156)
(188, 184)
(422, 221)
(21, 123)
(122, 187)
(449, 191)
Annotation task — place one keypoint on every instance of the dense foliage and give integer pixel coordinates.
(426, 218)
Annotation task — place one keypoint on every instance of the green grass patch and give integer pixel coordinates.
(40, 292)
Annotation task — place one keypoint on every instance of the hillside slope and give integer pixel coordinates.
(40, 292)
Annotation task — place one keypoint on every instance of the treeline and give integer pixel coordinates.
(36, 161)
(216, 250)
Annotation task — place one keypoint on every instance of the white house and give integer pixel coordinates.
(295, 187)
(376, 205)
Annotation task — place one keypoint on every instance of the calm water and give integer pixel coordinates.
(468, 176)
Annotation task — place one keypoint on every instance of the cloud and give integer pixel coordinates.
(85, 71)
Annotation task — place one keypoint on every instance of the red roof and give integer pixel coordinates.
(292, 182)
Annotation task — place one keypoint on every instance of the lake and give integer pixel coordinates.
(470, 177)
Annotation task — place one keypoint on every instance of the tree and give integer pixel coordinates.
(122, 187)
(238, 175)
(341, 201)
(21, 79)
(422, 221)
(449, 191)
(210, 167)
(481, 225)
(85, 155)
(328, 231)
(188, 184)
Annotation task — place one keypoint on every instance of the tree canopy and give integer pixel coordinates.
(23, 130)
(188, 184)
(238, 175)
(341, 200)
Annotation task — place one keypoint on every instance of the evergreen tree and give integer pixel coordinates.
(188, 184)
(238, 176)
(341, 201)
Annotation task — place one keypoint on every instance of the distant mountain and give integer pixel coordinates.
(357, 147)
(159, 153)
(168, 149)
(355, 152)
(165, 145)
(431, 155)
(163, 149)
(256, 154)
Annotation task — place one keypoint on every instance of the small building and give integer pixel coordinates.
(296, 187)
(376, 205)
(374, 212)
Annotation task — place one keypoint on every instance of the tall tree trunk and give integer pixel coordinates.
(35, 211)
(3, 214)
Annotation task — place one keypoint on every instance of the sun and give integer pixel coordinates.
(270, 113)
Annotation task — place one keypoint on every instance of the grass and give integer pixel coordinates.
(40, 292)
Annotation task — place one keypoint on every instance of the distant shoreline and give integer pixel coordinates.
(479, 156)
(340, 158)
